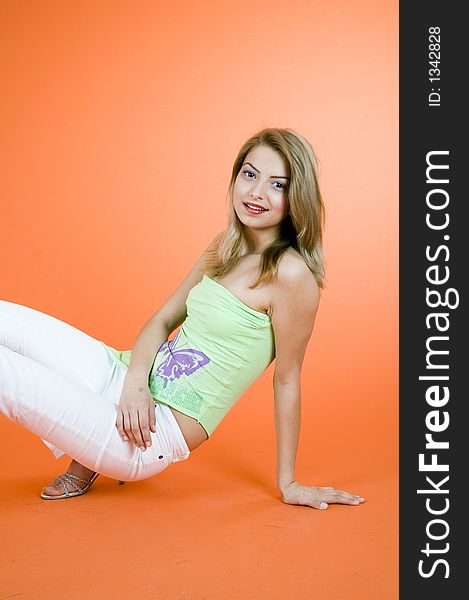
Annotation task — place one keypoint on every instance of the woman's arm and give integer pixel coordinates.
(287, 409)
(294, 305)
(293, 308)
(136, 415)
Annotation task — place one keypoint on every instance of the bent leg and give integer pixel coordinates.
(82, 422)
(60, 347)
(55, 344)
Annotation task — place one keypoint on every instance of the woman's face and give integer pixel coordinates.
(262, 181)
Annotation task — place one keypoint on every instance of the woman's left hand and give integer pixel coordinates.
(317, 497)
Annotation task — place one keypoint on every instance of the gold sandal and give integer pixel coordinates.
(70, 479)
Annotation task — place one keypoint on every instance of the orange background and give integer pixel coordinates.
(120, 123)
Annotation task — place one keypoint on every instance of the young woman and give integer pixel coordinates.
(252, 296)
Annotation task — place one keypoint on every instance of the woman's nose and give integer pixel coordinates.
(257, 189)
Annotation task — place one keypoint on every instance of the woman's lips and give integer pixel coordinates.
(253, 211)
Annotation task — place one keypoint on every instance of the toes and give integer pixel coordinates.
(55, 488)
(51, 490)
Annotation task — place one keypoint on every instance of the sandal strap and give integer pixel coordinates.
(64, 481)
(78, 478)
(70, 478)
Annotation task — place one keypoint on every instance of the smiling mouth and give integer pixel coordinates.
(254, 207)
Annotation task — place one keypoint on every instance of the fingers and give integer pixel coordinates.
(132, 428)
(128, 427)
(144, 430)
(137, 434)
(120, 425)
(340, 497)
(135, 427)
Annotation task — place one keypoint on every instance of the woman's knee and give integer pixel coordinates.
(132, 469)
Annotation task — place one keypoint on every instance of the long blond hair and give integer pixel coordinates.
(302, 227)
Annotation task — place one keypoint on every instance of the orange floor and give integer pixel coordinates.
(105, 106)
(210, 528)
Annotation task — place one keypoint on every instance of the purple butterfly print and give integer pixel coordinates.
(183, 361)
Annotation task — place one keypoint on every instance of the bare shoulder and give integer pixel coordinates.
(295, 285)
(294, 273)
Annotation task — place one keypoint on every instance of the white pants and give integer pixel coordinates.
(61, 384)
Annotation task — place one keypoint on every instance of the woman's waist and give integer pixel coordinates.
(193, 432)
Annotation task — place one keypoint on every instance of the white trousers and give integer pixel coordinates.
(61, 384)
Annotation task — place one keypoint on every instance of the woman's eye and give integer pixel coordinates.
(282, 185)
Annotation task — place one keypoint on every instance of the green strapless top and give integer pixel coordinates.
(222, 347)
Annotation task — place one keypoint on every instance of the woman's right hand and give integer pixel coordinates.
(136, 414)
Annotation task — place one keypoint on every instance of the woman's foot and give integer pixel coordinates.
(75, 482)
